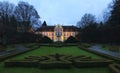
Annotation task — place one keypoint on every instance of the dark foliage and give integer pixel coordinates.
(102, 32)
(45, 39)
(113, 24)
(16, 22)
(71, 39)
(24, 38)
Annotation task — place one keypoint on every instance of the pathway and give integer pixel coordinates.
(18, 48)
(99, 49)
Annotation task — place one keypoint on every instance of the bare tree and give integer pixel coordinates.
(6, 12)
(107, 12)
(26, 14)
(6, 16)
(86, 20)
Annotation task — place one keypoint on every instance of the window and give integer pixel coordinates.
(52, 33)
(47, 34)
(73, 34)
(64, 34)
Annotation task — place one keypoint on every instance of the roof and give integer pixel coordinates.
(47, 28)
(51, 28)
(70, 28)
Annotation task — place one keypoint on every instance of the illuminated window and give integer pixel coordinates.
(64, 34)
(73, 34)
(52, 33)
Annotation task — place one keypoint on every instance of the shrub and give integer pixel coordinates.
(115, 68)
(71, 40)
(114, 48)
(45, 39)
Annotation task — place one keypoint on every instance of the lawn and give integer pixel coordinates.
(107, 47)
(72, 50)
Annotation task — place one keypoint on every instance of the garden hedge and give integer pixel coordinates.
(58, 61)
(40, 58)
(55, 64)
(21, 63)
(91, 63)
(115, 68)
(8, 55)
(101, 54)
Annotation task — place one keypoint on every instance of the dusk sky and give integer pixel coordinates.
(66, 12)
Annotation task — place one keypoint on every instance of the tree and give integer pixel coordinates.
(86, 20)
(6, 12)
(115, 13)
(27, 15)
(88, 28)
(113, 23)
(6, 17)
(90, 33)
(107, 13)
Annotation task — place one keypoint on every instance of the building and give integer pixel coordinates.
(57, 32)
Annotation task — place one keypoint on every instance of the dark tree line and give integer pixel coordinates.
(16, 20)
(107, 32)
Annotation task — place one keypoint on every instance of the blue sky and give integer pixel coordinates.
(66, 12)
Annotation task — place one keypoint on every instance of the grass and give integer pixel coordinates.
(52, 50)
(107, 47)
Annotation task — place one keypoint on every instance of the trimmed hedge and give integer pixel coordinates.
(100, 54)
(115, 68)
(59, 44)
(58, 61)
(55, 64)
(40, 58)
(8, 55)
(21, 63)
(85, 45)
(82, 58)
(67, 57)
(92, 63)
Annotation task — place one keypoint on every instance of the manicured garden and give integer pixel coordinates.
(44, 51)
(72, 50)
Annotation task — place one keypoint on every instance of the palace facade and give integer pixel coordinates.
(57, 32)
